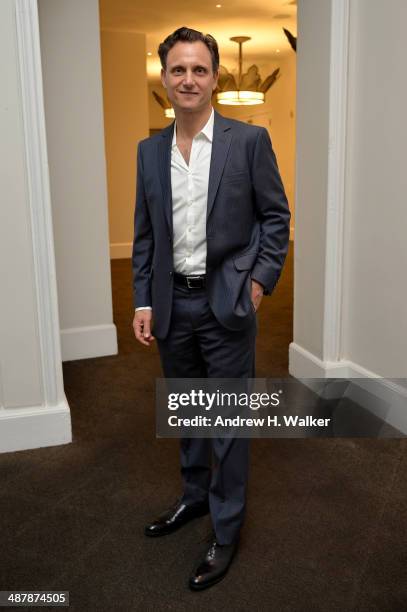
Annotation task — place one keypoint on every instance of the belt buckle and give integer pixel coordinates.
(193, 278)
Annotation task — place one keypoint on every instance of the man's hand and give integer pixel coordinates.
(142, 326)
(257, 294)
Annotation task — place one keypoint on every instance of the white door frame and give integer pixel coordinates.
(29, 56)
(47, 424)
(329, 364)
(338, 97)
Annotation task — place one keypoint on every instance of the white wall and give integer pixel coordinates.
(20, 371)
(350, 253)
(70, 49)
(126, 123)
(375, 288)
(33, 408)
(313, 70)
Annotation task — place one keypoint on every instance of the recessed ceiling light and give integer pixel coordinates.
(218, 6)
(277, 50)
(149, 53)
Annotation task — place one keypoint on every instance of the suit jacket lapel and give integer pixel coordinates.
(222, 137)
(164, 155)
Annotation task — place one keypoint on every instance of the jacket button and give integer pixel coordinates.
(171, 273)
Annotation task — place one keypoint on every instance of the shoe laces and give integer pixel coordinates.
(211, 552)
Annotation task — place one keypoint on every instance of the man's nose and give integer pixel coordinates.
(189, 78)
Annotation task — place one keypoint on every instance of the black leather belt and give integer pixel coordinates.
(191, 282)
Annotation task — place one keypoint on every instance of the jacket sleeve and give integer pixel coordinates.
(272, 212)
(143, 243)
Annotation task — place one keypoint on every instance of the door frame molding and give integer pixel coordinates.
(39, 198)
(47, 424)
(338, 103)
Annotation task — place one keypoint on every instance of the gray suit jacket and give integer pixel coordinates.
(247, 226)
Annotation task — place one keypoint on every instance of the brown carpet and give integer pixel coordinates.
(326, 524)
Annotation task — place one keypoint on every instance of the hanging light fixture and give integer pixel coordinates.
(249, 89)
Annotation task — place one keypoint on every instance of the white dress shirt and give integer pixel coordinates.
(189, 188)
(189, 184)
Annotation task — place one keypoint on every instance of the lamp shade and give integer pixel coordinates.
(240, 98)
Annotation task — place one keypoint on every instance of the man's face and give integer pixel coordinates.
(189, 78)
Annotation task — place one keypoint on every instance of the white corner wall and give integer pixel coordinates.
(350, 255)
(313, 78)
(70, 50)
(33, 408)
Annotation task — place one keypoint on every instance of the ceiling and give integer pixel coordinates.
(263, 20)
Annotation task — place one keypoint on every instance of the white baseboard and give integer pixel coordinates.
(86, 342)
(305, 365)
(34, 427)
(121, 250)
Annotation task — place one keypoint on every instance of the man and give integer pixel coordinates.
(211, 236)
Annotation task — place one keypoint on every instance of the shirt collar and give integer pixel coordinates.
(207, 129)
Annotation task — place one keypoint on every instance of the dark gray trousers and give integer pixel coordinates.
(197, 346)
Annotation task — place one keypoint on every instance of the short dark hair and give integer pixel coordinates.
(185, 34)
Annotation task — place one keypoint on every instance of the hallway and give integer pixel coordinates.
(326, 518)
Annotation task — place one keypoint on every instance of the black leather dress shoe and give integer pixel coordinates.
(175, 517)
(214, 566)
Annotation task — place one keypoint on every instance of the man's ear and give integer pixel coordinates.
(163, 78)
